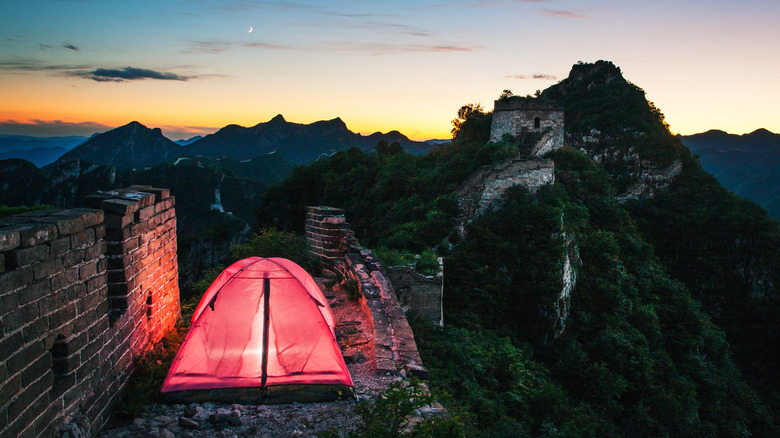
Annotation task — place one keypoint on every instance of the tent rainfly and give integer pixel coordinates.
(263, 332)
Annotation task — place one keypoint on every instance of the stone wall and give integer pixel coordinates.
(68, 333)
(421, 294)
(517, 116)
(333, 244)
(486, 187)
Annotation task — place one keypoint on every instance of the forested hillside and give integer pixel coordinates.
(674, 316)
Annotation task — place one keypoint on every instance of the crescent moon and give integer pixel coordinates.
(250, 29)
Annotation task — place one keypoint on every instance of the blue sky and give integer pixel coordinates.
(191, 67)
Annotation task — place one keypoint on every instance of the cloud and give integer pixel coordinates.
(130, 74)
(217, 47)
(51, 128)
(388, 48)
(542, 76)
(564, 14)
(70, 47)
(31, 65)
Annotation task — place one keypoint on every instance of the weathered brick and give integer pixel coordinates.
(36, 370)
(117, 222)
(73, 257)
(21, 257)
(91, 216)
(35, 330)
(95, 251)
(145, 213)
(24, 356)
(52, 302)
(8, 302)
(88, 270)
(15, 319)
(102, 308)
(68, 222)
(76, 291)
(47, 268)
(120, 207)
(10, 345)
(62, 316)
(36, 234)
(26, 398)
(64, 278)
(96, 283)
(59, 246)
(45, 424)
(83, 238)
(9, 239)
(100, 231)
(87, 303)
(11, 387)
(159, 193)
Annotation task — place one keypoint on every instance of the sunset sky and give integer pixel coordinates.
(75, 67)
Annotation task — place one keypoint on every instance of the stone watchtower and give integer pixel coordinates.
(518, 116)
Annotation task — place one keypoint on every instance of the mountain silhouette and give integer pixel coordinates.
(129, 146)
(301, 143)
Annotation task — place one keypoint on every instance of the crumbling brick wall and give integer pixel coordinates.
(334, 245)
(66, 349)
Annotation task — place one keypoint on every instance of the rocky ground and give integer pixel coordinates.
(336, 419)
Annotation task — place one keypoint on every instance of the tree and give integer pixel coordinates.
(472, 123)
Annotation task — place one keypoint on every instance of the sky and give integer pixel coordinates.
(190, 67)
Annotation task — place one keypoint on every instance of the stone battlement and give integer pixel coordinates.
(83, 292)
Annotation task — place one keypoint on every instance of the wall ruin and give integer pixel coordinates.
(333, 244)
(83, 292)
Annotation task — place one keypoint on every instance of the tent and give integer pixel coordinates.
(263, 332)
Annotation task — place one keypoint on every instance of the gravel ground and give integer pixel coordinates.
(212, 419)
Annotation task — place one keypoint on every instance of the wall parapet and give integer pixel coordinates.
(64, 353)
(395, 350)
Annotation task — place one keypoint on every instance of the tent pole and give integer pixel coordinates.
(266, 324)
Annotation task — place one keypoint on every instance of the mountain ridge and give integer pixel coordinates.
(140, 146)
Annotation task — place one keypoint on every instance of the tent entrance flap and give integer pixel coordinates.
(266, 324)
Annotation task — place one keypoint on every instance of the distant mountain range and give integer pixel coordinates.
(38, 150)
(134, 146)
(748, 164)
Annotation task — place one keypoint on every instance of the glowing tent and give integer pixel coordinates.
(263, 331)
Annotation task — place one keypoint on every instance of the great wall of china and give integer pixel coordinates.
(85, 292)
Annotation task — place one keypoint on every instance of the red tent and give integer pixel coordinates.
(263, 331)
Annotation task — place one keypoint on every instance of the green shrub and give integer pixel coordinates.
(350, 287)
(427, 263)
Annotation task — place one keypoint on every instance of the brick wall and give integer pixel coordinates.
(334, 245)
(66, 349)
(422, 294)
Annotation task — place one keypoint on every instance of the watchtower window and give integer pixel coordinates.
(537, 123)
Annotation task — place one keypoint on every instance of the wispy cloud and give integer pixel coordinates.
(564, 14)
(70, 47)
(50, 128)
(32, 65)
(217, 47)
(130, 74)
(388, 48)
(541, 76)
